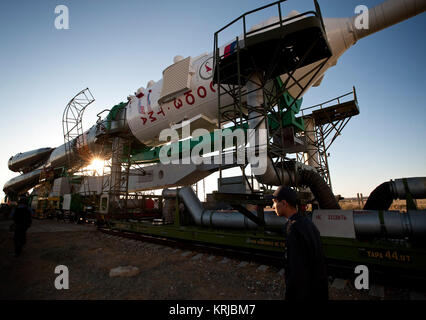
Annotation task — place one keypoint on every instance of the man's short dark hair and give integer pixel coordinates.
(287, 194)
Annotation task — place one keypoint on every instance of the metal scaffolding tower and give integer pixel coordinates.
(119, 168)
(72, 126)
(250, 70)
(76, 150)
(324, 123)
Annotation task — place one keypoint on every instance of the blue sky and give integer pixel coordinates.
(115, 47)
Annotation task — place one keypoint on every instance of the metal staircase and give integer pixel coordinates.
(254, 61)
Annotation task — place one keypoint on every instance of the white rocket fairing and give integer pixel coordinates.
(187, 92)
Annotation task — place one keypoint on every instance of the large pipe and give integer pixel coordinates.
(367, 224)
(319, 188)
(372, 224)
(219, 219)
(296, 174)
(390, 224)
(382, 197)
(416, 187)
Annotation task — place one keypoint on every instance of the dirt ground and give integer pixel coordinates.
(165, 273)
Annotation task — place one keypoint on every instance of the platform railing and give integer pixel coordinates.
(334, 101)
(280, 22)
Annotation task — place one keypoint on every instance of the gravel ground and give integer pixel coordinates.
(165, 273)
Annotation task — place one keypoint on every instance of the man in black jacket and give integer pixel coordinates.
(305, 268)
(22, 219)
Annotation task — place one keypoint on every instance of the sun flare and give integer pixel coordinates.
(97, 165)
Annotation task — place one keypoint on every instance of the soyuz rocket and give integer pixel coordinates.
(187, 91)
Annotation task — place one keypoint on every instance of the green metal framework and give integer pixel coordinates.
(286, 46)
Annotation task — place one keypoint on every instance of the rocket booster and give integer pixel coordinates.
(187, 91)
(28, 160)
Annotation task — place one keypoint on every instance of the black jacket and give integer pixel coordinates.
(305, 269)
(22, 216)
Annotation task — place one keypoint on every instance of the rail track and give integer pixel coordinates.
(226, 252)
(340, 274)
(343, 272)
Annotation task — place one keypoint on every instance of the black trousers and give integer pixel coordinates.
(20, 238)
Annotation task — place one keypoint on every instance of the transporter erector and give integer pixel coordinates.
(251, 83)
